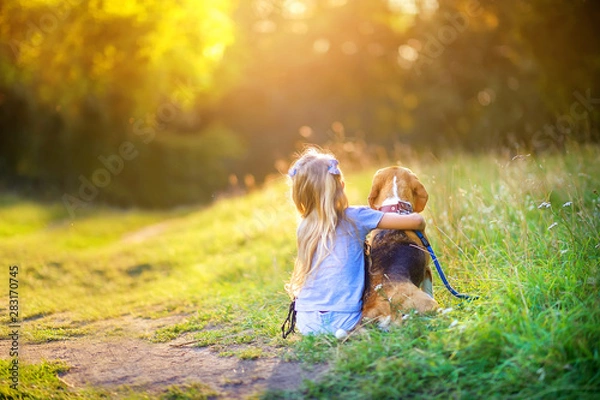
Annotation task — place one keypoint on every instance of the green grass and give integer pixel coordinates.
(208, 262)
(42, 381)
(534, 333)
(525, 236)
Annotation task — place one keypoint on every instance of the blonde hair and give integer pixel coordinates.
(318, 193)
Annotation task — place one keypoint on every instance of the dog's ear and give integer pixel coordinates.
(375, 189)
(420, 195)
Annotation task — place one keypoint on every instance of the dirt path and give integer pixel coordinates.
(109, 361)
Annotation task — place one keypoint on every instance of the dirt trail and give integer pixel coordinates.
(108, 361)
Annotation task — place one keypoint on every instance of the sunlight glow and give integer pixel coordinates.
(297, 9)
(321, 46)
(486, 96)
(214, 52)
(408, 53)
(413, 7)
(404, 6)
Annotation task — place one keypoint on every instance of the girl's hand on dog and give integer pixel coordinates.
(413, 222)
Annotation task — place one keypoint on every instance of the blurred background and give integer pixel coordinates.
(161, 103)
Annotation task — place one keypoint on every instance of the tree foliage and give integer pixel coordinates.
(203, 89)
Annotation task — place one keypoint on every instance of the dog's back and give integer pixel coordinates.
(397, 258)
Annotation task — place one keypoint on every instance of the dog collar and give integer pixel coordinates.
(402, 207)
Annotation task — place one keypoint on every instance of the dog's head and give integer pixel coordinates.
(392, 184)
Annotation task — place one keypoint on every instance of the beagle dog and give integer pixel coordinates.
(399, 277)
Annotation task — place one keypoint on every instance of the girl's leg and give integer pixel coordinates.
(315, 322)
(344, 320)
(309, 322)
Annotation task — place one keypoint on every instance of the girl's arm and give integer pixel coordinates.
(414, 222)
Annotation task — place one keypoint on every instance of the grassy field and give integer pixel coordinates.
(522, 233)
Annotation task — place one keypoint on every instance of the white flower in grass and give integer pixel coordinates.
(568, 204)
(384, 323)
(541, 373)
(453, 324)
(378, 287)
(445, 311)
(553, 225)
(544, 204)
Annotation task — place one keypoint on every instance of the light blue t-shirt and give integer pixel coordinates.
(338, 282)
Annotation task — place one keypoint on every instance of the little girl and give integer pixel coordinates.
(329, 274)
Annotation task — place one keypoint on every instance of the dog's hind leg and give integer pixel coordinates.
(412, 297)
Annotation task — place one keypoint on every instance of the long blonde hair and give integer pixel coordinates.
(318, 193)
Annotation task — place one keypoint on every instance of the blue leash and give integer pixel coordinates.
(440, 271)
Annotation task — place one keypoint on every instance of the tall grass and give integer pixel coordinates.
(522, 233)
